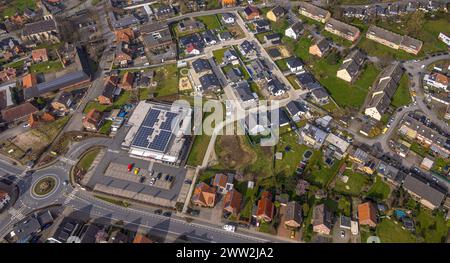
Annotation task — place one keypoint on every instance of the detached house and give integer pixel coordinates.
(293, 215)
(204, 195)
(201, 65)
(247, 48)
(127, 81)
(437, 80)
(297, 110)
(230, 57)
(322, 220)
(351, 66)
(294, 64)
(223, 182)
(232, 202)
(251, 12)
(276, 13)
(109, 91)
(62, 102)
(265, 208)
(367, 214)
(93, 120)
(294, 31)
(320, 48)
(276, 87)
(228, 18)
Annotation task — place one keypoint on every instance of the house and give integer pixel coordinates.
(164, 11)
(276, 87)
(294, 64)
(273, 38)
(444, 38)
(29, 81)
(320, 96)
(322, 220)
(265, 208)
(320, 47)
(261, 25)
(127, 81)
(351, 33)
(109, 91)
(36, 118)
(190, 25)
(25, 230)
(124, 35)
(209, 82)
(367, 214)
(234, 75)
(223, 182)
(230, 56)
(338, 145)
(18, 113)
(393, 40)
(313, 136)
(201, 65)
(307, 81)
(195, 39)
(228, 18)
(426, 164)
(62, 102)
(156, 36)
(358, 156)
(383, 90)
(122, 55)
(427, 194)
(7, 74)
(437, 80)
(192, 49)
(297, 109)
(204, 195)
(229, 3)
(259, 70)
(209, 37)
(224, 36)
(232, 202)
(314, 12)
(39, 55)
(244, 92)
(251, 12)
(41, 31)
(345, 222)
(294, 31)
(247, 48)
(93, 120)
(276, 13)
(351, 66)
(293, 215)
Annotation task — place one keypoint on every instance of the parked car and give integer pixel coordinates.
(168, 214)
(158, 211)
(167, 177)
(142, 179)
(188, 181)
(136, 171)
(159, 176)
(171, 178)
(152, 181)
(229, 228)
(342, 233)
(130, 166)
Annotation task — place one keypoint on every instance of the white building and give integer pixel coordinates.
(294, 31)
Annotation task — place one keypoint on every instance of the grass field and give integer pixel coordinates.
(16, 64)
(106, 127)
(379, 190)
(121, 100)
(18, 6)
(291, 158)
(432, 227)
(87, 159)
(46, 67)
(390, 231)
(356, 182)
(167, 80)
(281, 64)
(402, 95)
(198, 150)
(211, 22)
(321, 173)
(218, 55)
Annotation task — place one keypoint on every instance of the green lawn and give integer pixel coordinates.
(432, 227)
(106, 127)
(218, 55)
(167, 80)
(280, 26)
(294, 83)
(419, 149)
(292, 157)
(46, 67)
(198, 150)
(113, 201)
(402, 95)
(122, 99)
(144, 93)
(321, 174)
(379, 190)
(281, 64)
(87, 159)
(18, 6)
(392, 232)
(375, 49)
(260, 36)
(337, 39)
(439, 165)
(356, 182)
(211, 22)
(96, 2)
(16, 64)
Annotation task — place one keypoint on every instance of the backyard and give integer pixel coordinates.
(46, 67)
(211, 22)
(355, 184)
(390, 231)
(431, 226)
(18, 6)
(321, 174)
(402, 95)
(379, 190)
(166, 78)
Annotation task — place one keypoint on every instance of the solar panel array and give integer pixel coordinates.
(161, 140)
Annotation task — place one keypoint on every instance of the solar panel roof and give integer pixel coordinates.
(161, 141)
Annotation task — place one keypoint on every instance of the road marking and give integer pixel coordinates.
(113, 151)
(67, 160)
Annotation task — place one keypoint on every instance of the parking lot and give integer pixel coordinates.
(112, 175)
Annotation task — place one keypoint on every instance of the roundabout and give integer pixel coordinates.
(44, 186)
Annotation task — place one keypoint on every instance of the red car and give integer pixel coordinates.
(130, 167)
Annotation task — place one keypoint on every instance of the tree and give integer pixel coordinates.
(414, 23)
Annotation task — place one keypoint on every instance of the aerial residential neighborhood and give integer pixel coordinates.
(224, 121)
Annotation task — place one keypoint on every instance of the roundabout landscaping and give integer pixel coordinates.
(44, 186)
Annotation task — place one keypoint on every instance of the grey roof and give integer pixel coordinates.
(45, 218)
(319, 93)
(56, 84)
(225, 35)
(380, 101)
(201, 65)
(314, 10)
(244, 91)
(274, 52)
(246, 46)
(262, 23)
(353, 62)
(26, 228)
(342, 27)
(297, 27)
(384, 34)
(209, 36)
(278, 11)
(64, 97)
(322, 216)
(294, 62)
(153, 27)
(271, 37)
(295, 107)
(346, 221)
(276, 85)
(234, 74)
(323, 45)
(424, 190)
(39, 27)
(209, 81)
(293, 212)
(411, 43)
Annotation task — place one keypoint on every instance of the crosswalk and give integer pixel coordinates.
(16, 213)
(71, 196)
(113, 151)
(67, 160)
